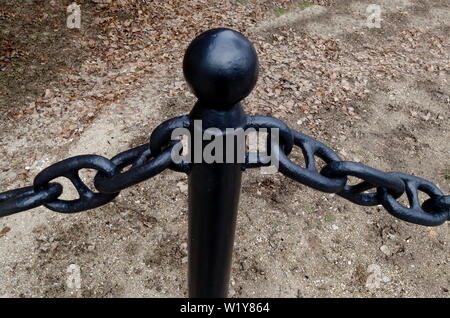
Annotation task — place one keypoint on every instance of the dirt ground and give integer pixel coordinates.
(380, 96)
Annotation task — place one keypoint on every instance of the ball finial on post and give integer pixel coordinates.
(221, 67)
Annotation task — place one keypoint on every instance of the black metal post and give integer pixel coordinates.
(221, 67)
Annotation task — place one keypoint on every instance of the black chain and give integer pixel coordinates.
(26, 198)
(109, 180)
(154, 157)
(333, 176)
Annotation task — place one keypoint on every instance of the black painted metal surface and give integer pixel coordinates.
(213, 200)
(26, 198)
(69, 168)
(221, 67)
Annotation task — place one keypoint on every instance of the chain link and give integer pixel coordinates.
(143, 169)
(108, 181)
(310, 176)
(373, 178)
(150, 159)
(415, 213)
(333, 177)
(146, 161)
(26, 198)
(70, 168)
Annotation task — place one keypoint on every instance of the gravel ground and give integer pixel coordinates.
(378, 96)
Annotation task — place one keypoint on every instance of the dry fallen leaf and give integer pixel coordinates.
(5, 230)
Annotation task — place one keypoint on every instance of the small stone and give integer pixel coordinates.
(386, 279)
(182, 186)
(374, 278)
(385, 250)
(184, 248)
(427, 116)
(48, 94)
(184, 260)
(334, 227)
(304, 108)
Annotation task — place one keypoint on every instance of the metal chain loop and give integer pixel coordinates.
(26, 198)
(333, 178)
(161, 137)
(310, 176)
(373, 178)
(135, 156)
(139, 172)
(415, 213)
(287, 139)
(441, 203)
(109, 180)
(69, 168)
(152, 158)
